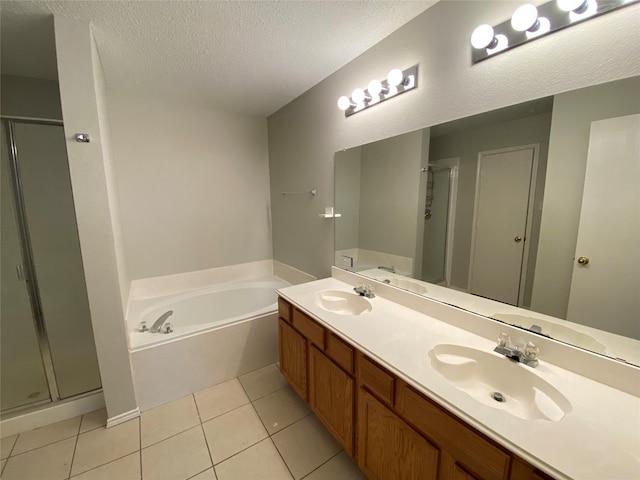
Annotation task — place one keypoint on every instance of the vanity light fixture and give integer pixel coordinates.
(397, 82)
(529, 22)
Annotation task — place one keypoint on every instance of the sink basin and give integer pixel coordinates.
(498, 382)
(554, 330)
(409, 285)
(342, 303)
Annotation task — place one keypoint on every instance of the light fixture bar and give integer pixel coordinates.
(397, 82)
(529, 23)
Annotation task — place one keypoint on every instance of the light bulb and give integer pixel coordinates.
(359, 96)
(525, 18)
(395, 77)
(571, 5)
(344, 103)
(545, 27)
(375, 88)
(590, 8)
(483, 37)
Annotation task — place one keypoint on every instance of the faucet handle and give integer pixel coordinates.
(531, 351)
(503, 340)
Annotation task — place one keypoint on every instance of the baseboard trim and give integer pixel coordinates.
(123, 417)
(51, 413)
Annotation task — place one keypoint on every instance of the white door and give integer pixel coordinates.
(605, 290)
(503, 190)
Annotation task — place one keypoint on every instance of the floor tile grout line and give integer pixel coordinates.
(75, 447)
(104, 464)
(193, 476)
(322, 464)
(41, 446)
(243, 450)
(282, 458)
(206, 441)
(167, 438)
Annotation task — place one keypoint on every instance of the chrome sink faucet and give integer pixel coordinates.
(528, 355)
(390, 269)
(364, 291)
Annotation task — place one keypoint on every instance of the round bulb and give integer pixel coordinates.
(524, 18)
(482, 36)
(571, 5)
(358, 95)
(375, 87)
(344, 103)
(395, 77)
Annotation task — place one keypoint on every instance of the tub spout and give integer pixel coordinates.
(157, 325)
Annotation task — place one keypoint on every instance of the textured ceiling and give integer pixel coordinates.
(245, 56)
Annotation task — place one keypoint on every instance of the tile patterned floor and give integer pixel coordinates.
(251, 427)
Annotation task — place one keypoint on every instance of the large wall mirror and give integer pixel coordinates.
(529, 215)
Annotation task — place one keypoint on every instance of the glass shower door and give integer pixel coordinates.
(435, 226)
(21, 366)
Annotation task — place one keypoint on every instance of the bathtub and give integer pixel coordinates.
(219, 332)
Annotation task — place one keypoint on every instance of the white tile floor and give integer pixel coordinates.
(251, 427)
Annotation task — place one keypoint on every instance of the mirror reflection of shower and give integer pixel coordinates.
(439, 218)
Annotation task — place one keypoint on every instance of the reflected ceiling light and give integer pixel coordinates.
(484, 37)
(589, 10)
(397, 82)
(572, 5)
(525, 18)
(530, 21)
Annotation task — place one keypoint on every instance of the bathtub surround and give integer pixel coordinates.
(193, 183)
(196, 356)
(304, 135)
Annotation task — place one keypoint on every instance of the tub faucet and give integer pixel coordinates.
(390, 269)
(528, 356)
(157, 325)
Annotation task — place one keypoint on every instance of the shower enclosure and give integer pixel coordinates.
(439, 216)
(47, 347)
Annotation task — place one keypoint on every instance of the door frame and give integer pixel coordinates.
(453, 163)
(529, 215)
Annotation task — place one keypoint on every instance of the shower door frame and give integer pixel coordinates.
(31, 279)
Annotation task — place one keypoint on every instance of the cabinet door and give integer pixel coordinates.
(450, 469)
(331, 397)
(388, 448)
(293, 358)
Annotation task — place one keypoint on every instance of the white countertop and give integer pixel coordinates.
(598, 439)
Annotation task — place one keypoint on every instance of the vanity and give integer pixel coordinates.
(411, 388)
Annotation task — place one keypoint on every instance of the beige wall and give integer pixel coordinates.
(466, 145)
(389, 184)
(81, 96)
(193, 184)
(304, 135)
(573, 113)
(29, 97)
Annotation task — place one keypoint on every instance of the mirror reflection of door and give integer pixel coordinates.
(439, 219)
(607, 278)
(505, 186)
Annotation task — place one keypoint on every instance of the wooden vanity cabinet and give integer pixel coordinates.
(319, 366)
(392, 430)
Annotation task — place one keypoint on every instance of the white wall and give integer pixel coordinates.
(193, 184)
(304, 135)
(89, 164)
(573, 113)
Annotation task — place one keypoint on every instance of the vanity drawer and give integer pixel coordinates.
(377, 380)
(284, 309)
(340, 352)
(309, 328)
(469, 448)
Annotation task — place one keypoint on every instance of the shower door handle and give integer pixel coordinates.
(20, 272)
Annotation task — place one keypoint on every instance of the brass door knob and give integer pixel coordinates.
(583, 260)
(518, 239)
